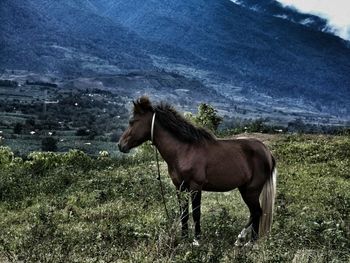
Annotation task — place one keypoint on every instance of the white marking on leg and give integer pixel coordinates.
(245, 235)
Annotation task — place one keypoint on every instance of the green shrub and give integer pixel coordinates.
(6, 156)
(77, 159)
(39, 163)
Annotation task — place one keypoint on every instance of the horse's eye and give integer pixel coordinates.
(131, 122)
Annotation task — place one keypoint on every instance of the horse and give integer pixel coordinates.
(197, 161)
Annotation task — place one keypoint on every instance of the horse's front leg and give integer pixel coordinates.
(196, 211)
(184, 215)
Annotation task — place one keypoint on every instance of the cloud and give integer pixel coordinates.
(336, 12)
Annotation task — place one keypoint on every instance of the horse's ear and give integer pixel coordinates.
(142, 105)
(137, 108)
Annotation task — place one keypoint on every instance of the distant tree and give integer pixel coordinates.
(8, 83)
(41, 83)
(256, 126)
(208, 117)
(30, 122)
(17, 129)
(92, 134)
(82, 132)
(297, 125)
(49, 144)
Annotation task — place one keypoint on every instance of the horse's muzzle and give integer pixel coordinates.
(123, 149)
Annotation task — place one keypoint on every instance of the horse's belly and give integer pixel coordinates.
(210, 187)
(225, 178)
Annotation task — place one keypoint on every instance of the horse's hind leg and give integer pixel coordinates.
(251, 198)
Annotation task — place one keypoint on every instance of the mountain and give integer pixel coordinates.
(70, 37)
(35, 39)
(250, 58)
(253, 50)
(65, 37)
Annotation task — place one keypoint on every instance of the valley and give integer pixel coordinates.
(90, 113)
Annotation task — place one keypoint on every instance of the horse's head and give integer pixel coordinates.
(139, 129)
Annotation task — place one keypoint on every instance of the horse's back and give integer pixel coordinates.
(253, 148)
(246, 148)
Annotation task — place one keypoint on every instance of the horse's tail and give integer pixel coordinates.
(267, 200)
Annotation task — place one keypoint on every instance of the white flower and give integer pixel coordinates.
(103, 153)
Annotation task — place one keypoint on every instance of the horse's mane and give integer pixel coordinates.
(173, 122)
(179, 127)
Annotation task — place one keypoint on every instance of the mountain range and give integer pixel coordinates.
(275, 8)
(246, 57)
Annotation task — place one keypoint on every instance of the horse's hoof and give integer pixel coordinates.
(242, 237)
(243, 244)
(249, 244)
(239, 243)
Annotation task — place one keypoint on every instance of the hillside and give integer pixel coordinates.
(56, 37)
(70, 38)
(71, 208)
(253, 59)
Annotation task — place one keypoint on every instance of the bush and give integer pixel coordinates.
(6, 155)
(77, 159)
(49, 144)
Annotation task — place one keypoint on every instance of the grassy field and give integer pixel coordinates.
(71, 208)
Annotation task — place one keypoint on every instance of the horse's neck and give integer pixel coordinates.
(168, 146)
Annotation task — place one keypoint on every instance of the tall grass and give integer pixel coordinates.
(73, 208)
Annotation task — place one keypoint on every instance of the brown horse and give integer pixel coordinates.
(197, 162)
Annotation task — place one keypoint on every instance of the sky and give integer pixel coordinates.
(336, 12)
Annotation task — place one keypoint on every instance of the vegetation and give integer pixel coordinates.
(41, 83)
(237, 126)
(207, 117)
(86, 119)
(71, 207)
(92, 119)
(74, 208)
(8, 83)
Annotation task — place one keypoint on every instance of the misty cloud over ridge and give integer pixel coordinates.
(336, 12)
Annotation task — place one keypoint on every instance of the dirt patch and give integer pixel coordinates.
(268, 139)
